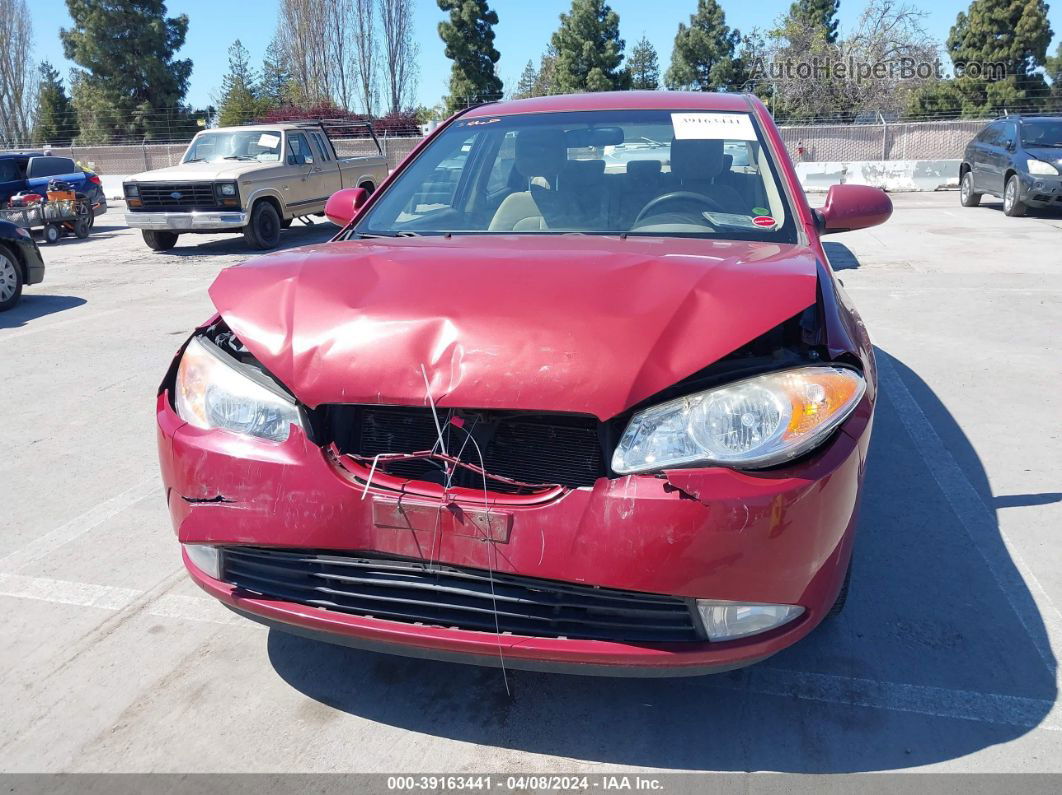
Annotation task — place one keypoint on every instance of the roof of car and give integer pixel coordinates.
(619, 100)
(17, 153)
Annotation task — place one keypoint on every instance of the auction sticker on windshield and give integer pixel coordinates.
(268, 141)
(713, 126)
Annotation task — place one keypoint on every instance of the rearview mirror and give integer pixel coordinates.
(343, 205)
(851, 207)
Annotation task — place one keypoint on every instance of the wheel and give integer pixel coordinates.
(285, 223)
(842, 597)
(81, 229)
(159, 241)
(1012, 204)
(263, 231)
(52, 233)
(967, 196)
(10, 280)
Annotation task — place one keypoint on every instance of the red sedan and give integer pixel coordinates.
(576, 390)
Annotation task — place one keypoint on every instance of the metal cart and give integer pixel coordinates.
(56, 218)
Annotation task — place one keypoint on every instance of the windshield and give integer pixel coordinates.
(263, 147)
(599, 172)
(1042, 132)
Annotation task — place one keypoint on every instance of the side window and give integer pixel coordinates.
(300, 149)
(1009, 133)
(992, 135)
(9, 171)
(50, 166)
(323, 147)
(503, 164)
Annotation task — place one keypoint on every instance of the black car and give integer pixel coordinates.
(20, 263)
(33, 171)
(1017, 158)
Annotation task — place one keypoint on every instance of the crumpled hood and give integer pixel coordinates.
(557, 323)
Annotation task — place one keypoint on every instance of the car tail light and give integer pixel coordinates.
(94, 179)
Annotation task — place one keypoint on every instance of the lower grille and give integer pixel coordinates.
(177, 195)
(532, 448)
(414, 592)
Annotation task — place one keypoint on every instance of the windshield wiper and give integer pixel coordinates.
(195, 160)
(239, 157)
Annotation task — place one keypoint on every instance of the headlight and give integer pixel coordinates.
(132, 190)
(227, 189)
(214, 393)
(757, 422)
(1041, 168)
(730, 620)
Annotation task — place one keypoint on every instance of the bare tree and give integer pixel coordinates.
(18, 75)
(339, 44)
(400, 52)
(300, 34)
(366, 53)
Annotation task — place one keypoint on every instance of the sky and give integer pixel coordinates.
(523, 31)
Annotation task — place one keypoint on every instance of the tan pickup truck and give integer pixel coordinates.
(254, 179)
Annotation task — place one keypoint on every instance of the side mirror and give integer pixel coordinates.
(851, 207)
(343, 205)
(1009, 145)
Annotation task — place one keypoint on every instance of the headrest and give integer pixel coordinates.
(643, 170)
(540, 153)
(696, 158)
(728, 162)
(578, 173)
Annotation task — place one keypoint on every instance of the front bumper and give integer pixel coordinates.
(191, 221)
(777, 537)
(1041, 191)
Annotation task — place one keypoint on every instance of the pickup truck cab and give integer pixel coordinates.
(254, 179)
(30, 172)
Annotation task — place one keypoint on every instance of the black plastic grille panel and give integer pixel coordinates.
(446, 596)
(193, 195)
(532, 448)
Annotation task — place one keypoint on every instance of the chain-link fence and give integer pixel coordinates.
(916, 140)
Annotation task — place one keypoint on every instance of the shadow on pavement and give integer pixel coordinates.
(33, 305)
(898, 680)
(293, 237)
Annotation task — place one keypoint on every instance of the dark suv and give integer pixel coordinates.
(1017, 158)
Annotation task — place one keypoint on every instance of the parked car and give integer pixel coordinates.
(1017, 158)
(605, 422)
(31, 172)
(20, 263)
(254, 179)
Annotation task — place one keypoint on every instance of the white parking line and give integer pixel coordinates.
(79, 525)
(1010, 573)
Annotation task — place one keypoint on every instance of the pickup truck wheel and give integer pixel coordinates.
(159, 241)
(264, 229)
(10, 280)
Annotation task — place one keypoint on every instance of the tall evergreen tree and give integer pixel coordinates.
(1054, 71)
(1013, 34)
(703, 58)
(818, 12)
(546, 78)
(274, 87)
(589, 49)
(525, 87)
(56, 120)
(239, 102)
(644, 66)
(469, 39)
(129, 83)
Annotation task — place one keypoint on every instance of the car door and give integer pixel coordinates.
(984, 145)
(1008, 134)
(306, 193)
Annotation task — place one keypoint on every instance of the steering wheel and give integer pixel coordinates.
(674, 196)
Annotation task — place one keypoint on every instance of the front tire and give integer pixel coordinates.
(1012, 203)
(263, 230)
(159, 241)
(10, 280)
(967, 196)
